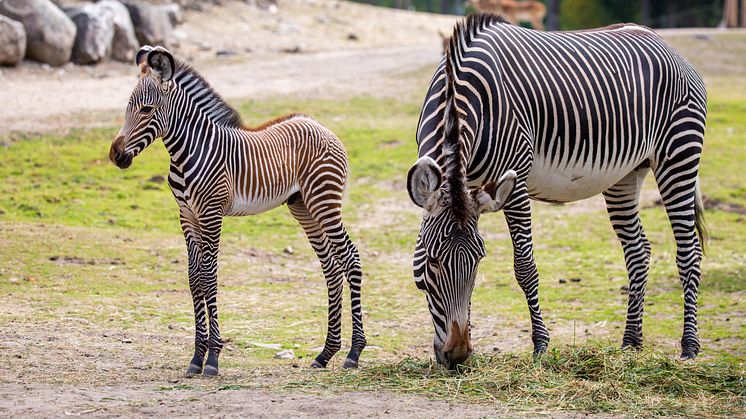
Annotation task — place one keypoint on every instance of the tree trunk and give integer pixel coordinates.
(645, 12)
(553, 15)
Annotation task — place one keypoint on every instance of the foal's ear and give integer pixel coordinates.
(423, 180)
(495, 195)
(161, 62)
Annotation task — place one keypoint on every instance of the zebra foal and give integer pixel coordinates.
(513, 115)
(218, 167)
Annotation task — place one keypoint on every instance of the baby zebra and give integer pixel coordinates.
(220, 167)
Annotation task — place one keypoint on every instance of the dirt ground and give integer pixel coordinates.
(70, 367)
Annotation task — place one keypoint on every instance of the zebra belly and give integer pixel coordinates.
(566, 184)
(248, 205)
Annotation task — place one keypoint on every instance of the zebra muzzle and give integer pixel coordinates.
(117, 155)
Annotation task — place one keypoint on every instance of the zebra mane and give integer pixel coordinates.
(211, 102)
(455, 158)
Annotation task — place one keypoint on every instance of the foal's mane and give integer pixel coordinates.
(219, 111)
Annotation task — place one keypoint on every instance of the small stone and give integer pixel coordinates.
(562, 281)
(125, 340)
(225, 53)
(575, 279)
(288, 250)
(266, 345)
(352, 37)
(286, 354)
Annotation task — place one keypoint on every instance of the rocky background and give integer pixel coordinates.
(58, 32)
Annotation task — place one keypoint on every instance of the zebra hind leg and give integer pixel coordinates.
(622, 203)
(677, 182)
(329, 219)
(334, 278)
(353, 271)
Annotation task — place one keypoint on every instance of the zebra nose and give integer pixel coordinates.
(117, 154)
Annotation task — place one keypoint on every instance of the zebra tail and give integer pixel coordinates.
(699, 216)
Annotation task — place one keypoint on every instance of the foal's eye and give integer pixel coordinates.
(146, 109)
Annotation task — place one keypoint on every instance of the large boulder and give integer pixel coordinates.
(50, 34)
(124, 45)
(12, 41)
(95, 33)
(152, 22)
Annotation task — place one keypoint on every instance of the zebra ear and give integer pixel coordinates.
(423, 180)
(162, 63)
(493, 196)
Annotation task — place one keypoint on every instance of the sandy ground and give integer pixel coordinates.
(68, 367)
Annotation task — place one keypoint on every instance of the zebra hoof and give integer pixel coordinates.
(210, 371)
(688, 353)
(350, 363)
(317, 364)
(539, 350)
(193, 370)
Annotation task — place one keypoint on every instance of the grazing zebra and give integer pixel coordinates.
(514, 114)
(220, 167)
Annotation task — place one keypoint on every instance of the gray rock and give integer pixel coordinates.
(50, 34)
(175, 15)
(286, 354)
(95, 33)
(124, 45)
(12, 41)
(152, 23)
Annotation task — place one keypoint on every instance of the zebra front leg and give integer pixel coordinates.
(333, 274)
(210, 227)
(194, 252)
(518, 215)
(622, 203)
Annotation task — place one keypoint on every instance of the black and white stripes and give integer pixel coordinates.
(574, 114)
(221, 168)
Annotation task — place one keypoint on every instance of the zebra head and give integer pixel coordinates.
(146, 117)
(449, 249)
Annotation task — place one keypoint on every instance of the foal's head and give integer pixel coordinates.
(145, 118)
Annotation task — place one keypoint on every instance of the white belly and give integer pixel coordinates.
(567, 184)
(250, 205)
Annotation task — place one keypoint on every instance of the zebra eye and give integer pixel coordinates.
(146, 109)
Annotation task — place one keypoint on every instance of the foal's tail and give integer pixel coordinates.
(699, 216)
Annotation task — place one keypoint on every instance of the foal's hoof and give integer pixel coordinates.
(210, 371)
(317, 364)
(193, 370)
(349, 363)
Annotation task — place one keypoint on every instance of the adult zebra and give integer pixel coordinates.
(514, 114)
(220, 168)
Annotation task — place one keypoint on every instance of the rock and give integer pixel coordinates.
(95, 33)
(286, 354)
(152, 23)
(225, 53)
(288, 250)
(575, 279)
(266, 345)
(124, 45)
(12, 41)
(562, 281)
(175, 15)
(50, 34)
